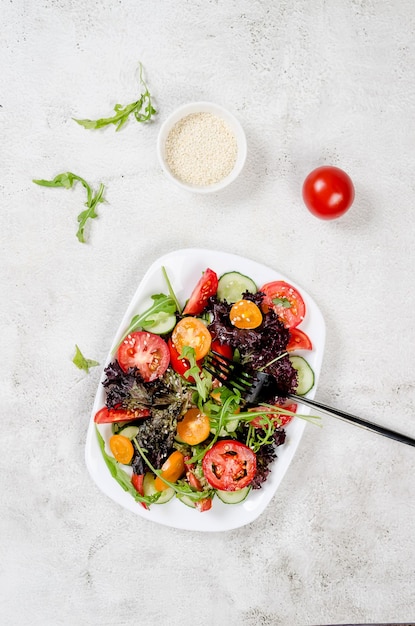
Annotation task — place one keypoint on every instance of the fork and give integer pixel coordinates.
(259, 384)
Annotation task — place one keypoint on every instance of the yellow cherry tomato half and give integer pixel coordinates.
(194, 427)
(122, 449)
(192, 332)
(172, 469)
(245, 314)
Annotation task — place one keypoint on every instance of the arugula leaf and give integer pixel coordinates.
(161, 304)
(171, 291)
(89, 213)
(67, 180)
(81, 362)
(284, 302)
(122, 113)
(122, 478)
(203, 385)
(180, 486)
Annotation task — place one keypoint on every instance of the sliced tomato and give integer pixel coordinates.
(299, 340)
(279, 419)
(222, 348)
(193, 481)
(285, 300)
(137, 482)
(145, 351)
(206, 287)
(192, 332)
(229, 465)
(110, 416)
(204, 504)
(179, 365)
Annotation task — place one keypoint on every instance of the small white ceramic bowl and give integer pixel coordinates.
(232, 124)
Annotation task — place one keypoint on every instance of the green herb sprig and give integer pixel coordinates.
(67, 180)
(122, 478)
(203, 383)
(142, 110)
(161, 304)
(81, 362)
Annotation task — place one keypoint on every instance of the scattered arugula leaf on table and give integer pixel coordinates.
(81, 362)
(142, 109)
(67, 180)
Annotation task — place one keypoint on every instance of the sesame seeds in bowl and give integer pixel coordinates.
(202, 147)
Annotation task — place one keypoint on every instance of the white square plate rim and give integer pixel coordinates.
(184, 268)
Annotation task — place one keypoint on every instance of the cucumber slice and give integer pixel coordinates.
(229, 427)
(149, 489)
(232, 425)
(187, 500)
(161, 323)
(305, 375)
(232, 285)
(233, 497)
(129, 431)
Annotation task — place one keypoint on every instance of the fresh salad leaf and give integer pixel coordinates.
(161, 304)
(171, 291)
(121, 476)
(81, 362)
(67, 180)
(284, 302)
(180, 486)
(142, 110)
(203, 385)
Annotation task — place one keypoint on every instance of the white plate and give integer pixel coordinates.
(184, 268)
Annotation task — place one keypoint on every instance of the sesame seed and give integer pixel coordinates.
(201, 149)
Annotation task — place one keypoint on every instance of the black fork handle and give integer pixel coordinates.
(357, 421)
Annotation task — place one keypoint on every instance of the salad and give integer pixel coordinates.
(175, 431)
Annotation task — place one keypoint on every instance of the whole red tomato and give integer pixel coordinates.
(328, 192)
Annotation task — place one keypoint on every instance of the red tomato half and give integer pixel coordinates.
(286, 302)
(298, 340)
(145, 351)
(280, 419)
(205, 504)
(137, 482)
(206, 287)
(229, 465)
(222, 349)
(179, 365)
(328, 192)
(110, 416)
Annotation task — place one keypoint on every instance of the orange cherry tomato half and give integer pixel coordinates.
(172, 469)
(286, 302)
(192, 332)
(122, 449)
(298, 340)
(194, 427)
(245, 314)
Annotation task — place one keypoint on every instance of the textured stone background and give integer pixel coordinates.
(313, 82)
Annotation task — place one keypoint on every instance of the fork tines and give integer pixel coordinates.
(228, 372)
(232, 375)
